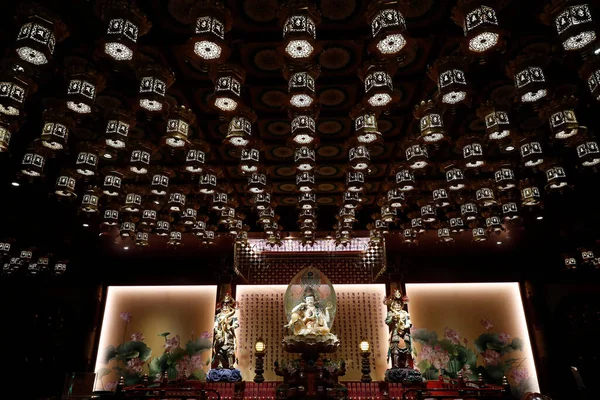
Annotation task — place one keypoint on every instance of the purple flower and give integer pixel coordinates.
(111, 386)
(206, 335)
(171, 344)
(487, 324)
(137, 337)
(452, 335)
(504, 337)
(491, 357)
(519, 375)
(125, 316)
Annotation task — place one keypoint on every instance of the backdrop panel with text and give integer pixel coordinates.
(360, 315)
(151, 328)
(472, 328)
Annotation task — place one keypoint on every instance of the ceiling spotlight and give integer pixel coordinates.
(85, 225)
(126, 248)
(498, 242)
(15, 184)
(540, 217)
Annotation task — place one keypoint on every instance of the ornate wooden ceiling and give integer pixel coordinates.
(344, 35)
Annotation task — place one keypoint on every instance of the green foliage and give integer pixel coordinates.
(424, 336)
(131, 349)
(197, 346)
(164, 334)
(168, 360)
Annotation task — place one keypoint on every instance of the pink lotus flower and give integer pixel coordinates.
(171, 344)
(487, 324)
(125, 316)
(519, 375)
(137, 337)
(206, 335)
(491, 357)
(135, 365)
(111, 386)
(504, 337)
(452, 335)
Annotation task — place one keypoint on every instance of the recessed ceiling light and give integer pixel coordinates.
(108, 155)
(86, 225)
(498, 242)
(15, 183)
(126, 248)
(540, 217)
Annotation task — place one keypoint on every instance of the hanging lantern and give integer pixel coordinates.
(359, 158)
(127, 229)
(409, 236)
(307, 200)
(228, 80)
(428, 213)
(573, 23)
(417, 156)
(175, 238)
(13, 92)
(33, 163)
(510, 211)
(5, 248)
(469, 211)
(5, 135)
(304, 158)
(271, 228)
(479, 235)
(493, 224)
(117, 129)
(219, 201)
(379, 88)
(133, 203)
(125, 24)
(388, 28)
(497, 122)
(505, 178)
(365, 126)
(159, 185)
(176, 202)
(388, 214)
(305, 181)
(301, 87)
(209, 237)
(55, 131)
(213, 21)
(188, 216)
(395, 198)
(480, 25)
(457, 225)
(351, 199)
(449, 73)
(588, 153)
(485, 196)
(306, 214)
(163, 227)
(141, 238)
(347, 215)
(431, 123)
(530, 195)
(440, 198)
(561, 117)
(257, 183)
(199, 228)
(148, 217)
(60, 268)
(530, 81)
(86, 163)
(587, 256)
(178, 127)
(531, 152)
(556, 178)
(65, 185)
(38, 36)
(266, 216)
(261, 200)
(355, 181)
(154, 82)
(239, 131)
(444, 235)
(590, 72)
(417, 225)
(83, 84)
(235, 227)
(249, 161)
(303, 130)
(227, 215)
(405, 180)
(110, 217)
(196, 157)
(570, 262)
(299, 22)
(473, 154)
(382, 227)
(139, 162)
(455, 179)
(89, 201)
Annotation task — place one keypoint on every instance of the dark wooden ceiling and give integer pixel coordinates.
(344, 35)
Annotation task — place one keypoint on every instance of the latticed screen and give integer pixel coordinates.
(358, 262)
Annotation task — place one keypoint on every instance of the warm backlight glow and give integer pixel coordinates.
(179, 310)
(365, 346)
(467, 310)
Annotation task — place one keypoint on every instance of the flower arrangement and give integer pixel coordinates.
(182, 362)
(128, 358)
(489, 356)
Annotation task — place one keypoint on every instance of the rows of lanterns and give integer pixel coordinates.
(27, 263)
(165, 209)
(585, 257)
